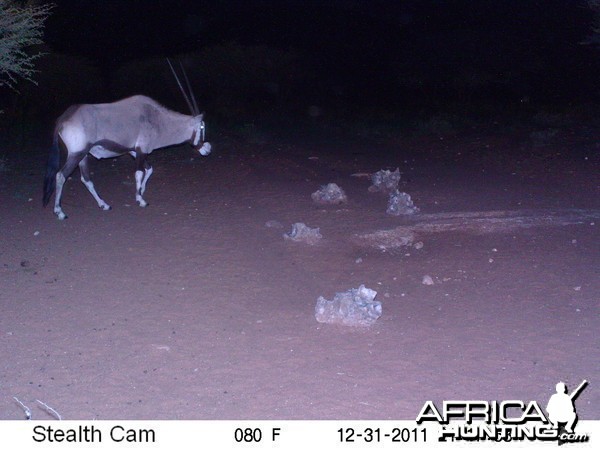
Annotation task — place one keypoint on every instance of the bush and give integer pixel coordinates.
(20, 28)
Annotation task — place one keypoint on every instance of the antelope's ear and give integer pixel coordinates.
(202, 114)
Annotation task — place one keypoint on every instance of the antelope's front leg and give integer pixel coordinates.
(140, 177)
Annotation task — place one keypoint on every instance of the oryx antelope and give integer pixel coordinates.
(136, 125)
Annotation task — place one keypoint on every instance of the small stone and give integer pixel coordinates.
(301, 233)
(355, 307)
(273, 224)
(385, 181)
(400, 203)
(330, 194)
(427, 280)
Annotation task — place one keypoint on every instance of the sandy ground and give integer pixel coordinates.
(193, 309)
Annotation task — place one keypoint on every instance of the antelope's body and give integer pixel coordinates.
(136, 125)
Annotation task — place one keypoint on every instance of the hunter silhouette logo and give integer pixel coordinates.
(561, 407)
(508, 420)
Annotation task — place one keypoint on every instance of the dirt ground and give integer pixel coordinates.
(193, 308)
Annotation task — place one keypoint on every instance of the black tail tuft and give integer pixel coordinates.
(51, 171)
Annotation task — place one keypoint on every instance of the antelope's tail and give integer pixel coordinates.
(51, 170)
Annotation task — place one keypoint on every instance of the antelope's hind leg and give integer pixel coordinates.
(86, 180)
(60, 181)
(147, 172)
(61, 177)
(142, 173)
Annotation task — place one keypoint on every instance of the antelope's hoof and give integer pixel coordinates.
(105, 207)
(205, 149)
(62, 216)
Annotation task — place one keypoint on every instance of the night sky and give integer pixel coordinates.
(373, 50)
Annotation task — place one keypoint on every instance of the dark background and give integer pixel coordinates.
(321, 60)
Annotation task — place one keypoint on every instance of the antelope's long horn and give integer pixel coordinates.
(190, 91)
(187, 99)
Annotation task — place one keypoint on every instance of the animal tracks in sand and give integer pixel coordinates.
(472, 222)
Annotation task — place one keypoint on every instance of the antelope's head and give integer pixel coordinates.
(198, 140)
(198, 135)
